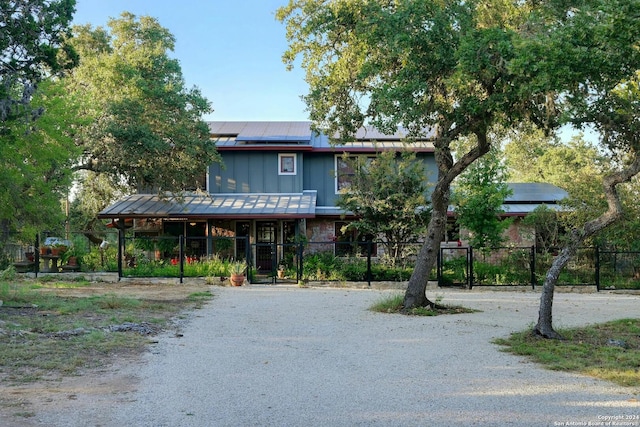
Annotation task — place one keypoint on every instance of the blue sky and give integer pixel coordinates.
(231, 50)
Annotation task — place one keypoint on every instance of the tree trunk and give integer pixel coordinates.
(544, 327)
(545, 314)
(415, 296)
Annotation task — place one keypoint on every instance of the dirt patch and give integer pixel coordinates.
(111, 383)
(142, 290)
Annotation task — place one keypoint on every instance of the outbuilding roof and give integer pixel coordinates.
(527, 197)
(222, 206)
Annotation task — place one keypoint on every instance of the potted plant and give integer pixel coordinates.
(58, 249)
(236, 273)
(70, 256)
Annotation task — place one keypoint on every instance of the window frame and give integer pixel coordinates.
(294, 164)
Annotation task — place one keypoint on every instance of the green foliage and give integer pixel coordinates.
(454, 271)
(478, 197)
(8, 271)
(207, 267)
(577, 167)
(504, 267)
(31, 44)
(97, 260)
(438, 69)
(34, 181)
(323, 266)
(547, 226)
(237, 267)
(146, 127)
(388, 195)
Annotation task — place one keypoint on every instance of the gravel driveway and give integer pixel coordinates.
(286, 356)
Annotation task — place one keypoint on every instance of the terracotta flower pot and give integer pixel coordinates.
(237, 279)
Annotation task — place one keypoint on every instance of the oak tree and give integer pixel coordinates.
(443, 69)
(145, 130)
(588, 51)
(31, 37)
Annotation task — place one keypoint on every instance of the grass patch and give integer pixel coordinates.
(44, 335)
(609, 351)
(394, 304)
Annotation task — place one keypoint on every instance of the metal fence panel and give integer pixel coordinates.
(328, 261)
(619, 269)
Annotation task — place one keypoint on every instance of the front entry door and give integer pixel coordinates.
(265, 248)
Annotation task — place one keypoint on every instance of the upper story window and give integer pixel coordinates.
(287, 164)
(345, 170)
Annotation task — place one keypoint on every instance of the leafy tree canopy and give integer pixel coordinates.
(388, 194)
(31, 38)
(35, 167)
(146, 130)
(451, 68)
(478, 196)
(441, 69)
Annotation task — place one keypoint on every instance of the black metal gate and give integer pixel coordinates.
(265, 248)
(454, 266)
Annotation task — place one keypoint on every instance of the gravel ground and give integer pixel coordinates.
(285, 356)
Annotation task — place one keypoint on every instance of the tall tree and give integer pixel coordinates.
(388, 195)
(35, 166)
(439, 68)
(31, 36)
(601, 36)
(146, 130)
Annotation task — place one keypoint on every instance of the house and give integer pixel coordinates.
(279, 181)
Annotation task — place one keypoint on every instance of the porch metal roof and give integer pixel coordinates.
(224, 206)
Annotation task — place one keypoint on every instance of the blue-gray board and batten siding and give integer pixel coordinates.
(253, 172)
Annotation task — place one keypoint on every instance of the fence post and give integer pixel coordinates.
(369, 247)
(120, 251)
(274, 262)
(532, 266)
(181, 256)
(597, 272)
(299, 267)
(470, 267)
(248, 259)
(439, 267)
(36, 257)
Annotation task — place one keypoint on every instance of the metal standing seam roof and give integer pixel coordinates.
(239, 134)
(535, 192)
(263, 131)
(248, 205)
(528, 196)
